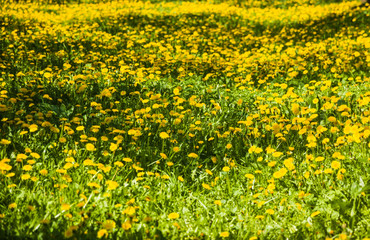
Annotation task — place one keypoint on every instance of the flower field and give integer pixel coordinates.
(185, 120)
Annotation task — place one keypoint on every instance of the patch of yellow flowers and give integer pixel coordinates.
(120, 99)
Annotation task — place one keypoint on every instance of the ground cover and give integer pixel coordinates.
(185, 120)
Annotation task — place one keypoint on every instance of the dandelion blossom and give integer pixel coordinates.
(281, 173)
(113, 147)
(126, 225)
(226, 169)
(224, 234)
(217, 202)
(173, 215)
(164, 135)
(193, 155)
(102, 233)
(65, 207)
(206, 186)
(12, 205)
(109, 224)
(315, 214)
(270, 211)
(90, 147)
(335, 164)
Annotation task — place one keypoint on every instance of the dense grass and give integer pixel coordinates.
(184, 120)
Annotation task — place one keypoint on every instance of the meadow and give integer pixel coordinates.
(184, 120)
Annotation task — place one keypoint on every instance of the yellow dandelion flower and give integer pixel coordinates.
(277, 154)
(10, 175)
(113, 147)
(270, 211)
(283, 85)
(68, 165)
(165, 177)
(252, 149)
(27, 168)
(102, 233)
(173, 215)
(176, 91)
(25, 176)
(35, 155)
(295, 108)
(30, 162)
(118, 163)
(109, 224)
(164, 135)
(112, 184)
(343, 236)
(258, 150)
(164, 156)
(193, 155)
(5, 167)
(12, 205)
(249, 176)
(288, 163)
(217, 202)
(224, 234)
(22, 156)
(335, 164)
(226, 169)
(80, 128)
(5, 142)
(126, 225)
(90, 147)
(127, 159)
(272, 164)
(131, 201)
(315, 214)
(325, 141)
(33, 128)
(65, 207)
(281, 173)
(104, 138)
(332, 119)
(47, 75)
(206, 186)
